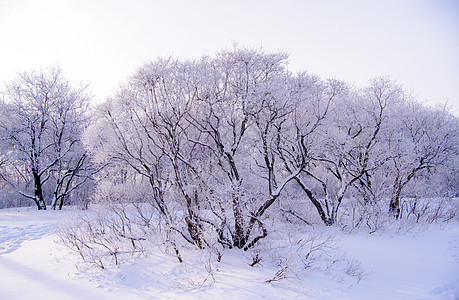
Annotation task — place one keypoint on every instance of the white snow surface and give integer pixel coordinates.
(415, 265)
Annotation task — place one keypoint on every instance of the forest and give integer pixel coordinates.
(217, 152)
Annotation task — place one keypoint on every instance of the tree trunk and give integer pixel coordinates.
(61, 203)
(327, 220)
(394, 205)
(54, 202)
(239, 238)
(57, 199)
(38, 192)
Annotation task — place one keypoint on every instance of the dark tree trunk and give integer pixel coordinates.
(394, 205)
(38, 191)
(326, 219)
(61, 203)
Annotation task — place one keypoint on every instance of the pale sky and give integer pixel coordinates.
(101, 43)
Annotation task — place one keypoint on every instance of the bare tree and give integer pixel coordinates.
(197, 121)
(425, 140)
(337, 134)
(44, 123)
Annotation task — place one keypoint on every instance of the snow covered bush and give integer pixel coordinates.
(294, 252)
(108, 237)
(415, 213)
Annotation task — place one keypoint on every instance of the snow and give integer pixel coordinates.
(420, 266)
(414, 265)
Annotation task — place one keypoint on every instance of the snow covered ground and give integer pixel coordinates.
(422, 265)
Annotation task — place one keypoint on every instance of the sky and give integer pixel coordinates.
(102, 43)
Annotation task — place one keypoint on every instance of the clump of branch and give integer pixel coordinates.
(104, 239)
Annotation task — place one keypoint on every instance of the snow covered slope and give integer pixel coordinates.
(409, 266)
